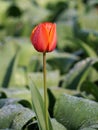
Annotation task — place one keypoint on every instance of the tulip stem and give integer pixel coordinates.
(45, 91)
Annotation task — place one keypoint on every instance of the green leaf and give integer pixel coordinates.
(78, 73)
(76, 113)
(22, 119)
(38, 106)
(14, 116)
(39, 109)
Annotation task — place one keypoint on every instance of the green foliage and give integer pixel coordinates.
(13, 115)
(38, 107)
(72, 69)
(78, 73)
(76, 113)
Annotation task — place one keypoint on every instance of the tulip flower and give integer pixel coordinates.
(43, 37)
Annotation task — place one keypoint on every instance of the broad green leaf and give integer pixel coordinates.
(38, 106)
(78, 73)
(93, 127)
(76, 113)
(22, 119)
(54, 93)
(8, 113)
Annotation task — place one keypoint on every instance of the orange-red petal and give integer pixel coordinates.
(52, 38)
(39, 38)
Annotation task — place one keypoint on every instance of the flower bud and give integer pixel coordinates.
(43, 37)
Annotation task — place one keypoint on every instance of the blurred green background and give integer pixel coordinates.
(71, 69)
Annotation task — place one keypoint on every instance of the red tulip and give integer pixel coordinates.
(43, 37)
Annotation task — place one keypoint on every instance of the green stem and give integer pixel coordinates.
(45, 90)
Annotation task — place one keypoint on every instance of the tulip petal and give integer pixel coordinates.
(39, 38)
(52, 38)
